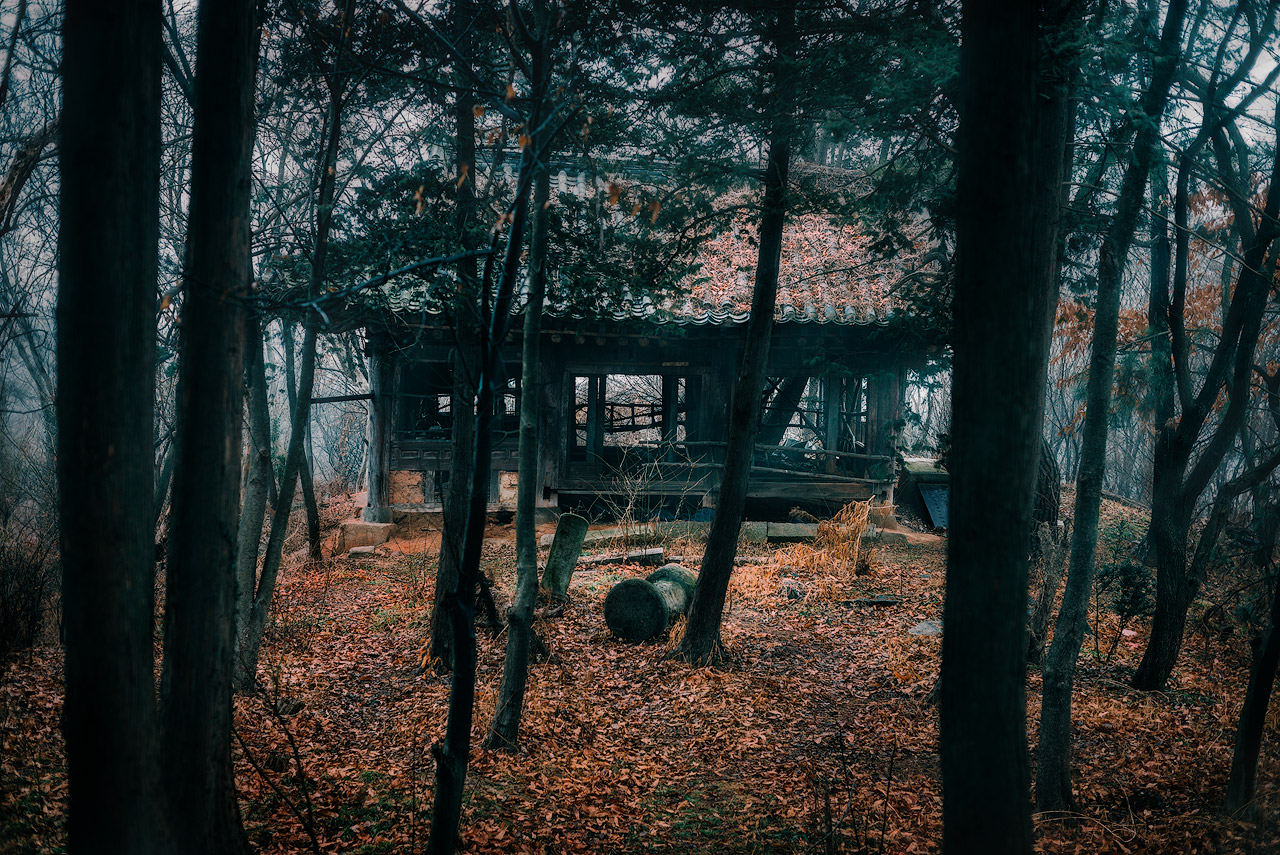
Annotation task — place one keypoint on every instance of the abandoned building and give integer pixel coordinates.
(635, 393)
(634, 408)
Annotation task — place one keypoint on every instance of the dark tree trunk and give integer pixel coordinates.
(1243, 782)
(200, 581)
(1048, 479)
(109, 179)
(1053, 776)
(701, 643)
(465, 356)
(998, 395)
(453, 754)
(504, 732)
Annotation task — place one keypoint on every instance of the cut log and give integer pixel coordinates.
(642, 609)
(682, 576)
(565, 549)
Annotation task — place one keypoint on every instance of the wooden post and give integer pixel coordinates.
(831, 418)
(670, 411)
(553, 439)
(595, 417)
(693, 408)
(884, 404)
(382, 369)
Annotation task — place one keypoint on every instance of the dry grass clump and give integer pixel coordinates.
(832, 560)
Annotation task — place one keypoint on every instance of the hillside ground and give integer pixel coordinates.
(817, 736)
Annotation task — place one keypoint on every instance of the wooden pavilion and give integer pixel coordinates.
(634, 407)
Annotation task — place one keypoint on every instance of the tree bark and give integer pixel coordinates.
(258, 486)
(382, 374)
(775, 424)
(454, 753)
(1243, 782)
(250, 641)
(200, 581)
(163, 479)
(998, 393)
(309, 505)
(109, 179)
(1053, 778)
(465, 356)
(701, 643)
(1177, 481)
(504, 731)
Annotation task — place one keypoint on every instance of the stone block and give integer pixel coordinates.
(354, 533)
(791, 532)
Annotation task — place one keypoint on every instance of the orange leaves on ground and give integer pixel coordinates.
(623, 750)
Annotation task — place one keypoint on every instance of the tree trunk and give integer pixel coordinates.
(309, 505)
(1242, 784)
(200, 582)
(504, 731)
(998, 393)
(1052, 555)
(1177, 483)
(1048, 479)
(465, 356)
(785, 401)
(701, 643)
(109, 179)
(258, 486)
(251, 639)
(453, 754)
(1053, 777)
(163, 480)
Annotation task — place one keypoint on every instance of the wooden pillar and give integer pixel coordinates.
(693, 410)
(596, 390)
(884, 411)
(831, 384)
(382, 369)
(716, 388)
(670, 412)
(554, 432)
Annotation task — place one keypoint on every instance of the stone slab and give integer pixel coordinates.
(354, 533)
(791, 532)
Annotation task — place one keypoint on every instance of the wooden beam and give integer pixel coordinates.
(338, 399)
(382, 370)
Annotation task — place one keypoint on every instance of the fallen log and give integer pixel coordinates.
(642, 609)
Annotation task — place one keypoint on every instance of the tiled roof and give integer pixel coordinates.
(419, 301)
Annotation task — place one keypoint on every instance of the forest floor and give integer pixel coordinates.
(816, 736)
